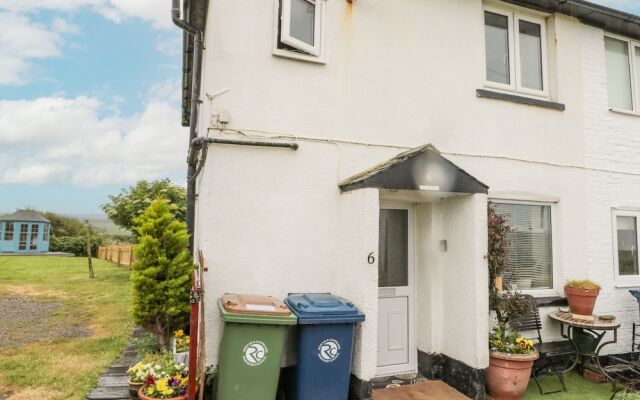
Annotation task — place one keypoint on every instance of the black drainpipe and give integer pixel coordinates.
(193, 122)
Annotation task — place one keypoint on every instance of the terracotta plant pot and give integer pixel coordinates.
(581, 301)
(508, 375)
(142, 396)
(134, 388)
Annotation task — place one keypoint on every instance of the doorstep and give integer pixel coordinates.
(426, 390)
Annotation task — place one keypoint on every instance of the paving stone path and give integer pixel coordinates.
(112, 384)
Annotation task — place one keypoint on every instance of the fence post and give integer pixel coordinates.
(119, 252)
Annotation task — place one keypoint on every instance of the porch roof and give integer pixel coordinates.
(420, 168)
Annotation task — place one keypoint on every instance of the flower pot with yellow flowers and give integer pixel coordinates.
(171, 388)
(180, 347)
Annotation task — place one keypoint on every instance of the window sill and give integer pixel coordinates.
(627, 285)
(625, 112)
(299, 56)
(551, 301)
(490, 94)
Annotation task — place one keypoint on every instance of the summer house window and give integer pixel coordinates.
(45, 232)
(515, 52)
(34, 237)
(8, 231)
(530, 252)
(625, 228)
(623, 73)
(300, 27)
(24, 234)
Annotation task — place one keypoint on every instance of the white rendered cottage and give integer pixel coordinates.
(352, 147)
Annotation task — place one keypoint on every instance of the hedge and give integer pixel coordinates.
(74, 244)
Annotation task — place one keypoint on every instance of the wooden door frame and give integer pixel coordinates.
(412, 365)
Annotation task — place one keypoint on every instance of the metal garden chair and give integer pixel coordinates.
(555, 357)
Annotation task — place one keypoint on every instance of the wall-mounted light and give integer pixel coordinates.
(443, 245)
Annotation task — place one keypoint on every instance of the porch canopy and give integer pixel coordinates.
(422, 168)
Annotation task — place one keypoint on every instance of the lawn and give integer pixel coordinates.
(63, 328)
(578, 388)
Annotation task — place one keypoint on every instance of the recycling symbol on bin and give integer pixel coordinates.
(255, 353)
(329, 350)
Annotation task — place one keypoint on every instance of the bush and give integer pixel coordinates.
(161, 275)
(146, 344)
(74, 244)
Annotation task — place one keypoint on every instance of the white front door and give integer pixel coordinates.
(396, 338)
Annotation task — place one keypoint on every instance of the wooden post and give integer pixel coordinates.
(119, 252)
(193, 336)
(88, 227)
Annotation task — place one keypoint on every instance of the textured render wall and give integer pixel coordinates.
(354, 277)
(405, 83)
(612, 142)
(267, 224)
(465, 324)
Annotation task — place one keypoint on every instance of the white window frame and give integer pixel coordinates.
(515, 77)
(555, 266)
(633, 70)
(623, 280)
(281, 33)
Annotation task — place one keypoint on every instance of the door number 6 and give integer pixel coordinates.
(371, 258)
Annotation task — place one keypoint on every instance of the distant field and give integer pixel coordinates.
(108, 227)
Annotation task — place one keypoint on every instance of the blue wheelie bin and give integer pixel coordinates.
(325, 344)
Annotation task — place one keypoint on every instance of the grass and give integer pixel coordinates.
(578, 388)
(66, 368)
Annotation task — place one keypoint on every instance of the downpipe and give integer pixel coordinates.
(193, 120)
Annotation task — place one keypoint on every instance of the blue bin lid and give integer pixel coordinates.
(323, 308)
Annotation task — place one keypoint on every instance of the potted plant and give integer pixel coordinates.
(137, 375)
(181, 347)
(155, 366)
(582, 296)
(174, 388)
(511, 356)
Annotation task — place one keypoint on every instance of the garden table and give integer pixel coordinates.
(588, 346)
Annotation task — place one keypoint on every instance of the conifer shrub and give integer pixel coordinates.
(161, 275)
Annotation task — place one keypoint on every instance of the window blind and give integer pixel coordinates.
(530, 251)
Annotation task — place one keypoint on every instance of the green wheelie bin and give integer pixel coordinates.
(251, 347)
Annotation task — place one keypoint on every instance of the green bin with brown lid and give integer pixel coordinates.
(251, 347)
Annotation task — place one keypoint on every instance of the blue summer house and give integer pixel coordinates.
(24, 231)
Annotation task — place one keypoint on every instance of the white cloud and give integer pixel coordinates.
(22, 41)
(158, 12)
(63, 26)
(69, 140)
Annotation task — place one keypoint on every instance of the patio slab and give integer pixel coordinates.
(431, 390)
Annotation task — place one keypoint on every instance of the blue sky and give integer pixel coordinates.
(89, 100)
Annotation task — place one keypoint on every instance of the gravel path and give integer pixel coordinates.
(27, 319)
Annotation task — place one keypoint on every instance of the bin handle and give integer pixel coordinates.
(302, 305)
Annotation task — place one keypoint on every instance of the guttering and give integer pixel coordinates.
(193, 120)
(606, 18)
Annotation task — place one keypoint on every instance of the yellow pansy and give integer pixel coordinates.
(179, 333)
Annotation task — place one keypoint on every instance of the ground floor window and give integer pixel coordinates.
(8, 231)
(530, 250)
(625, 228)
(34, 237)
(24, 234)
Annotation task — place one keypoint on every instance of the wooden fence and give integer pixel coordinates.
(121, 255)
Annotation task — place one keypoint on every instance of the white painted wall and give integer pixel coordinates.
(402, 74)
(612, 143)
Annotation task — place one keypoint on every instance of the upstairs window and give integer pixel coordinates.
(8, 231)
(623, 74)
(515, 52)
(300, 28)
